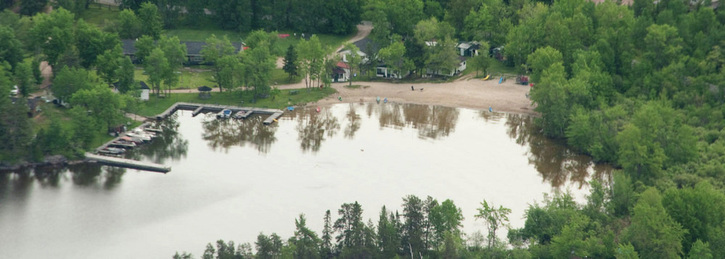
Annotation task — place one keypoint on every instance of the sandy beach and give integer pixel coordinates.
(465, 92)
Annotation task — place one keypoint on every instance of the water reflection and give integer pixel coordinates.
(19, 183)
(556, 163)
(313, 127)
(353, 121)
(223, 134)
(430, 121)
(167, 144)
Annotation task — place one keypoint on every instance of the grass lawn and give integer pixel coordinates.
(51, 111)
(189, 79)
(497, 68)
(283, 99)
(100, 15)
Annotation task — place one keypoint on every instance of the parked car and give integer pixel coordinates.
(14, 91)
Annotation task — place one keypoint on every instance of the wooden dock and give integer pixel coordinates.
(127, 163)
(272, 118)
(199, 108)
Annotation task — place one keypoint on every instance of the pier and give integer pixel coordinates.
(239, 112)
(127, 163)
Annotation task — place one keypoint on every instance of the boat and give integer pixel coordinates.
(154, 130)
(112, 150)
(224, 114)
(136, 137)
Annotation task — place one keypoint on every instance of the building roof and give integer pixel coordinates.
(341, 64)
(143, 85)
(203, 88)
(193, 48)
(366, 44)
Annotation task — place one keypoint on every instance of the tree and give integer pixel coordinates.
(101, 103)
(258, 66)
(268, 247)
(311, 58)
(700, 250)
(11, 49)
(76, 7)
(24, 78)
(326, 242)
(388, 234)
(551, 99)
(700, 210)
(350, 229)
(432, 30)
(129, 25)
(31, 7)
(394, 57)
(53, 34)
(144, 46)
(541, 60)
(156, 66)
(175, 53)
(150, 19)
(125, 74)
(653, 232)
(107, 64)
(412, 229)
(290, 62)
(442, 57)
(15, 128)
(342, 16)
(663, 44)
(481, 62)
(305, 241)
(230, 68)
(446, 220)
(93, 41)
(216, 49)
(71, 80)
(626, 252)
(495, 218)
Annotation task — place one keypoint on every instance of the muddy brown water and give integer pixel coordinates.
(232, 179)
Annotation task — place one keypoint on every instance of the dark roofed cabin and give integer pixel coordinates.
(193, 51)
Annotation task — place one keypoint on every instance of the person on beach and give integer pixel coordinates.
(412, 88)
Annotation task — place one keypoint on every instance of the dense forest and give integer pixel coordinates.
(640, 86)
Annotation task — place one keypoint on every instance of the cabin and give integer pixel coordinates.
(193, 50)
(382, 70)
(144, 91)
(341, 72)
(468, 49)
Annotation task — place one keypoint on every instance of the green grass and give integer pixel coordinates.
(51, 111)
(187, 34)
(498, 67)
(279, 77)
(283, 99)
(189, 79)
(100, 15)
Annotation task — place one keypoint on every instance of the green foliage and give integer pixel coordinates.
(10, 47)
(551, 98)
(541, 60)
(290, 62)
(626, 251)
(15, 127)
(495, 218)
(652, 232)
(24, 78)
(31, 7)
(700, 211)
(150, 19)
(129, 25)
(53, 34)
(71, 80)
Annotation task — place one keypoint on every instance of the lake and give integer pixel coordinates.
(233, 179)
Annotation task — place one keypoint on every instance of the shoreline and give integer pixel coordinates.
(470, 93)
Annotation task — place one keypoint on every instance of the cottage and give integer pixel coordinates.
(193, 50)
(144, 91)
(341, 72)
(468, 49)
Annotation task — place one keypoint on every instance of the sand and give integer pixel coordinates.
(466, 92)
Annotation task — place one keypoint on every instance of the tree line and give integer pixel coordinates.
(425, 228)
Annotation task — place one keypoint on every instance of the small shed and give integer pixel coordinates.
(144, 91)
(204, 92)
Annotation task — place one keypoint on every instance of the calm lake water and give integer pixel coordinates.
(233, 179)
